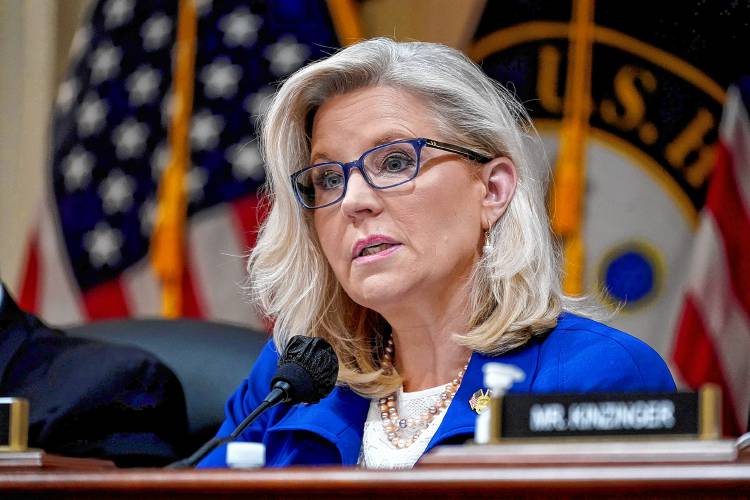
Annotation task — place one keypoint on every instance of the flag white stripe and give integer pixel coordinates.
(735, 134)
(216, 256)
(58, 301)
(725, 320)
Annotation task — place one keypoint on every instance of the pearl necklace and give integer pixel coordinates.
(403, 432)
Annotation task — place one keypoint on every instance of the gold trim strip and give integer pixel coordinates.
(18, 427)
(516, 35)
(662, 58)
(496, 419)
(709, 412)
(544, 30)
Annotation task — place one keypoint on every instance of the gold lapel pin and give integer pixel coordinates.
(479, 400)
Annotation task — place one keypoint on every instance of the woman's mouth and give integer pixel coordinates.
(377, 252)
(373, 248)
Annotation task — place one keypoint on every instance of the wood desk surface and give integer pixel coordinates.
(727, 480)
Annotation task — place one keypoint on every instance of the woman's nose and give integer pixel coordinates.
(360, 198)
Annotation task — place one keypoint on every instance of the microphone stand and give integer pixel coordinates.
(276, 396)
(294, 382)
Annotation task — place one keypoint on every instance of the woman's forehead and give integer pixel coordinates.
(368, 117)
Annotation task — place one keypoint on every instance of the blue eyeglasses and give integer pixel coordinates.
(385, 166)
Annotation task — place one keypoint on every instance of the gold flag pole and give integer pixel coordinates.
(569, 184)
(345, 21)
(168, 238)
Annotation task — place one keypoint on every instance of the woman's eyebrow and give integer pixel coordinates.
(323, 156)
(390, 137)
(320, 157)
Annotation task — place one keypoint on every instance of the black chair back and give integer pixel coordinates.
(210, 359)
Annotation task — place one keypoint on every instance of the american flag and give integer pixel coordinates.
(88, 259)
(713, 337)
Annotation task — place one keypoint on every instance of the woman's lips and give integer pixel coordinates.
(371, 241)
(383, 254)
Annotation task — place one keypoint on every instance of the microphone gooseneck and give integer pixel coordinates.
(307, 373)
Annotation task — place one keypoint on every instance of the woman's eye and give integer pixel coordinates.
(396, 163)
(329, 179)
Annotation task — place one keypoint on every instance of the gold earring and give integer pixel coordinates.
(488, 239)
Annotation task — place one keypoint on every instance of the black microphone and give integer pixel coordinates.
(307, 373)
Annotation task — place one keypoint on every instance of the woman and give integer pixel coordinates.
(416, 242)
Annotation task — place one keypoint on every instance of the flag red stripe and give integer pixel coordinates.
(191, 303)
(249, 213)
(725, 202)
(106, 301)
(29, 297)
(698, 362)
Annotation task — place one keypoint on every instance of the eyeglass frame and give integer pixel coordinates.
(418, 143)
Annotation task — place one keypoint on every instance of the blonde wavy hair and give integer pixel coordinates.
(515, 290)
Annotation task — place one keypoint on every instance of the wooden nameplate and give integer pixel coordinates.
(630, 451)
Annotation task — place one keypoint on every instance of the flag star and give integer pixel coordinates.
(147, 216)
(286, 55)
(129, 139)
(105, 62)
(155, 32)
(240, 27)
(246, 162)
(103, 244)
(159, 160)
(203, 7)
(91, 115)
(204, 130)
(220, 78)
(257, 103)
(77, 167)
(143, 85)
(117, 12)
(117, 192)
(196, 181)
(66, 95)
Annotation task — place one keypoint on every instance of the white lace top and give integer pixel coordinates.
(377, 452)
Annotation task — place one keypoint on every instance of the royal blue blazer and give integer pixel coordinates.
(578, 355)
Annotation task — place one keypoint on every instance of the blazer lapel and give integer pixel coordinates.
(460, 419)
(338, 418)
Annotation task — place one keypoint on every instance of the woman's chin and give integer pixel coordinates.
(382, 292)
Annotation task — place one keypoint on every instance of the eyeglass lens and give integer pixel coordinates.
(384, 167)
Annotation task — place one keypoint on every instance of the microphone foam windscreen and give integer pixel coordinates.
(310, 366)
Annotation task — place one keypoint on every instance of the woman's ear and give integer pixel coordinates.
(499, 178)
